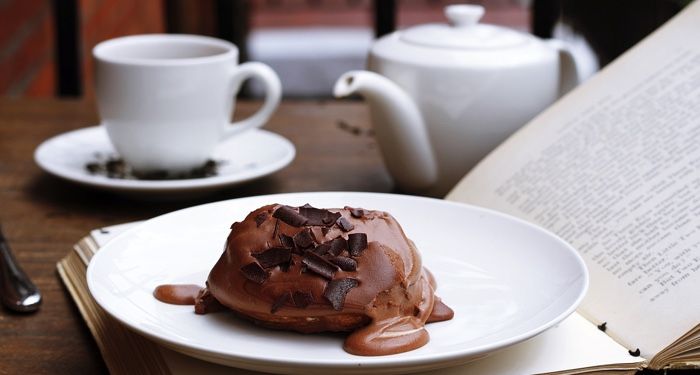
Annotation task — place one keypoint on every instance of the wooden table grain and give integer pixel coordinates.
(43, 216)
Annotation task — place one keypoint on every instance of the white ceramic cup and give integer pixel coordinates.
(167, 100)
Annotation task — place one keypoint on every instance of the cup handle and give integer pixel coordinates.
(273, 93)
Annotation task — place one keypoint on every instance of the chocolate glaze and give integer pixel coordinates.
(440, 313)
(183, 294)
(387, 310)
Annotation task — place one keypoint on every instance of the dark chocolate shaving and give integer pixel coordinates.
(336, 290)
(255, 273)
(337, 246)
(205, 303)
(345, 224)
(290, 216)
(319, 236)
(322, 249)
(635, 353)
(284, 267)
(357, 243)
(356, 212)
(345, 263)
(319, 265)
(331, 218)
(286, 241)
(273, 257)
(316, 216)
(260, 218)
(302, 299)
(280, 301)
(277, 227)
(304, 239)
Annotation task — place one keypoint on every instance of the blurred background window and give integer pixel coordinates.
(45, 44)
(311, 43)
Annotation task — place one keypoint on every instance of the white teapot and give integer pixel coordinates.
(442, 96)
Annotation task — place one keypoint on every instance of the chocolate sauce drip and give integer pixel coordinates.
(177, 294)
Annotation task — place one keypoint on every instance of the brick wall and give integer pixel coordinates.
(285, 13)
(27, 29)
(107, 19)
(27, 39)
(26, 48)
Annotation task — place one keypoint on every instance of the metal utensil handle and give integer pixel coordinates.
(17, 291)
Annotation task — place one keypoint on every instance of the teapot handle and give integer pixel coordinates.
(568, 71)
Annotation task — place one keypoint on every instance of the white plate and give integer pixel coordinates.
(250, 155)
(507, 280)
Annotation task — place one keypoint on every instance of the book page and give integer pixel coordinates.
(614, 169)
(574, 343)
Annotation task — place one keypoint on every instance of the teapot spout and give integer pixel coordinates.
(399, 128)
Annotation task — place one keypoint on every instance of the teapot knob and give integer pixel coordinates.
(464, 15)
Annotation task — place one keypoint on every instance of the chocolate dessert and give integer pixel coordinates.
(315, 270)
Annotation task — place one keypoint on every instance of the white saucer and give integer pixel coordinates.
(248, 156)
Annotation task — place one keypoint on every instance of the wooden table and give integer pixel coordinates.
(43, 216)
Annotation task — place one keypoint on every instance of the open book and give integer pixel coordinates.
(614, 168)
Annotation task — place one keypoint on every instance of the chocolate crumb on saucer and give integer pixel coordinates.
(114, 167)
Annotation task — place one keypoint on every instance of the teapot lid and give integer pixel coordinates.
(463, 32)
